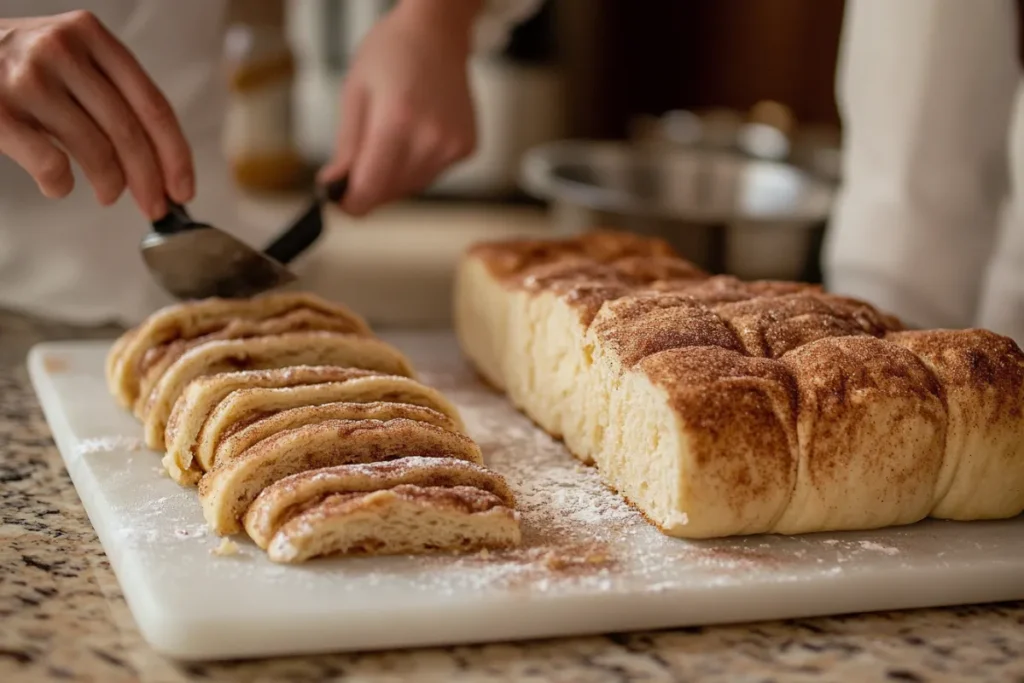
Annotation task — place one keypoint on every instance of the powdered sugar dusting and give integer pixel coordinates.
(109, 444)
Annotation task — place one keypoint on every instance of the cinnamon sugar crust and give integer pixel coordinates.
(834, 377)
(507, 259)
(972, 358)
(638, 326)
(771, 327)
(821, 407)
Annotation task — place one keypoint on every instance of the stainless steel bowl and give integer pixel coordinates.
(727, 212)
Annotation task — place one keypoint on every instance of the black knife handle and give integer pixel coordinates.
(295, 239)
(334, 191)
(174, 221)
(300, 236)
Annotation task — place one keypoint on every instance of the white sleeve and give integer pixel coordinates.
(496, 21)
(1002, 300)
(925, 90)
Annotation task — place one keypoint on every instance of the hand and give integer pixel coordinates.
(406, 109)
(68, 86)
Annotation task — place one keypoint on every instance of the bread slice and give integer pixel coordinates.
(203, 394)
(114, 356)
(399, 520)
(982, 374)
(217, 445)
(283, 499)
(197, 318)
(229, 488)
(258, 353)
(157, 360)
(244, 406)
(199, 421)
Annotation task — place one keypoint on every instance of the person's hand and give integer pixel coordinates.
(68, 86)
(406, 109)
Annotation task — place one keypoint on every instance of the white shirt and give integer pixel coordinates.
(930, 221)
(76, 261)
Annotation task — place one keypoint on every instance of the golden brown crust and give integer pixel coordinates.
(771, 327)
(722, 289)
(979, 361)
(509, 258)
(832, 374)
(647, 269)
(735, 406)
(638, 326)
(974, 358)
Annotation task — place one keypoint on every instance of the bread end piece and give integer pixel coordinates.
(402, 520)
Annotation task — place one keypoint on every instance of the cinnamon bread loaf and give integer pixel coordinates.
(719, 407)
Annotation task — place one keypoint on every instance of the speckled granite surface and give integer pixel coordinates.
(62, 616)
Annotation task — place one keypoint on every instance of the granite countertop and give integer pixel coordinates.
(62, 615)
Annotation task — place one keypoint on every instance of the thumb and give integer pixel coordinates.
(354, 103)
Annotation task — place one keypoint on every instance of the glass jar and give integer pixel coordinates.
(259, 140)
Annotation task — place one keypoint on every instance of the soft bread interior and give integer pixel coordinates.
(282, 499)
(227, 490)
(203, 394)
(248, 434)
(400, 520)
(156, 362)
(479, 317)
(303, 348)
(244, 406)
(196, 318)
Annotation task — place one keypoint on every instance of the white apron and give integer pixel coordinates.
(930, 221)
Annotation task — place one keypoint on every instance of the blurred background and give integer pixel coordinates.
(711, 124)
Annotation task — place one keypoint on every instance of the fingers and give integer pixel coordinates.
(434, 151)
(376, 172)
(398, 156)
(151, 109)
(354, 102)
(35, 152)
(80, 136)
(131, 147)
(54, 110)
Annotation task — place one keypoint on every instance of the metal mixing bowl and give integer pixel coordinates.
(726, 212)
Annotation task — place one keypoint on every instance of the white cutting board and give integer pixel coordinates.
(192, 604)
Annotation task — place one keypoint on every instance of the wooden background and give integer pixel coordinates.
(624, 57)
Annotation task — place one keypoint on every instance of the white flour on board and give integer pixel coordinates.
(577, 533)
